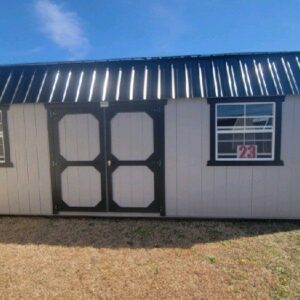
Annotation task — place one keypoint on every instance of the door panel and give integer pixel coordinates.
(133, 186)
(132, 136)
(78, 160)
(79, 137)
(81, 186)
(135, 161)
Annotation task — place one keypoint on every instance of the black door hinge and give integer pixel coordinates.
(52, 114)
(159, 163)
(56, 207)
(54, 164)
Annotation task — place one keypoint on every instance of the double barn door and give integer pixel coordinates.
(107, 159)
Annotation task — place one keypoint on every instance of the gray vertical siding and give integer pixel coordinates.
(26, 187)
(192, 188)
(196, 190)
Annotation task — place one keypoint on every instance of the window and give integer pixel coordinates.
(245, 132)
(4, 146)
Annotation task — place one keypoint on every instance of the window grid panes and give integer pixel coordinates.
(2, 154)
(245, 126)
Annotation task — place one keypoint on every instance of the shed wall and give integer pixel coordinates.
(194, 189)
(26, 187)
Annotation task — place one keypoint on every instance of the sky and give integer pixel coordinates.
(54, 30)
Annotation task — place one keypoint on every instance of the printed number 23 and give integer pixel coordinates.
(247, 151)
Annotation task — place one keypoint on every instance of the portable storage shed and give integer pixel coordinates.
(191, 136)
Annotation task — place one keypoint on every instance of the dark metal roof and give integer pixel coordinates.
(233, 75)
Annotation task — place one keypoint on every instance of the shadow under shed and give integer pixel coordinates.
(131, 233)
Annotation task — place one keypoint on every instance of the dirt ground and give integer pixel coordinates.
(86, 258)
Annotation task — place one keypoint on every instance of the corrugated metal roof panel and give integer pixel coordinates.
(241, 75)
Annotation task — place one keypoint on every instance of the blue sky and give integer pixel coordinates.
(53, 30)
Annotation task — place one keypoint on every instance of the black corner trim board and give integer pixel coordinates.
(7, 163)
(277, 159)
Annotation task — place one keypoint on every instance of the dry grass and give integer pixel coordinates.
(134, 259)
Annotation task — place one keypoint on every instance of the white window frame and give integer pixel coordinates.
(244, 130)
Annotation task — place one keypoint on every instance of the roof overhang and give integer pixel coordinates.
(222, 76)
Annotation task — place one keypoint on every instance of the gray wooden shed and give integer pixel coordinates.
(192, 136)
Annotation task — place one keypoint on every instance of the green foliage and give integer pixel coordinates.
(212, 259)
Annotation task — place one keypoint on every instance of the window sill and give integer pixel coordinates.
(245, 163)
(6, 165)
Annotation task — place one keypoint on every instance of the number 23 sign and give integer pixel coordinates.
(247, 151)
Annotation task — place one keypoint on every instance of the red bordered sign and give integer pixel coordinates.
(247, 151)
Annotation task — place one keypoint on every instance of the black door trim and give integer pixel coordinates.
(156, 162)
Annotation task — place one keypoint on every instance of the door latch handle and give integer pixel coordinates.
(109, 163)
